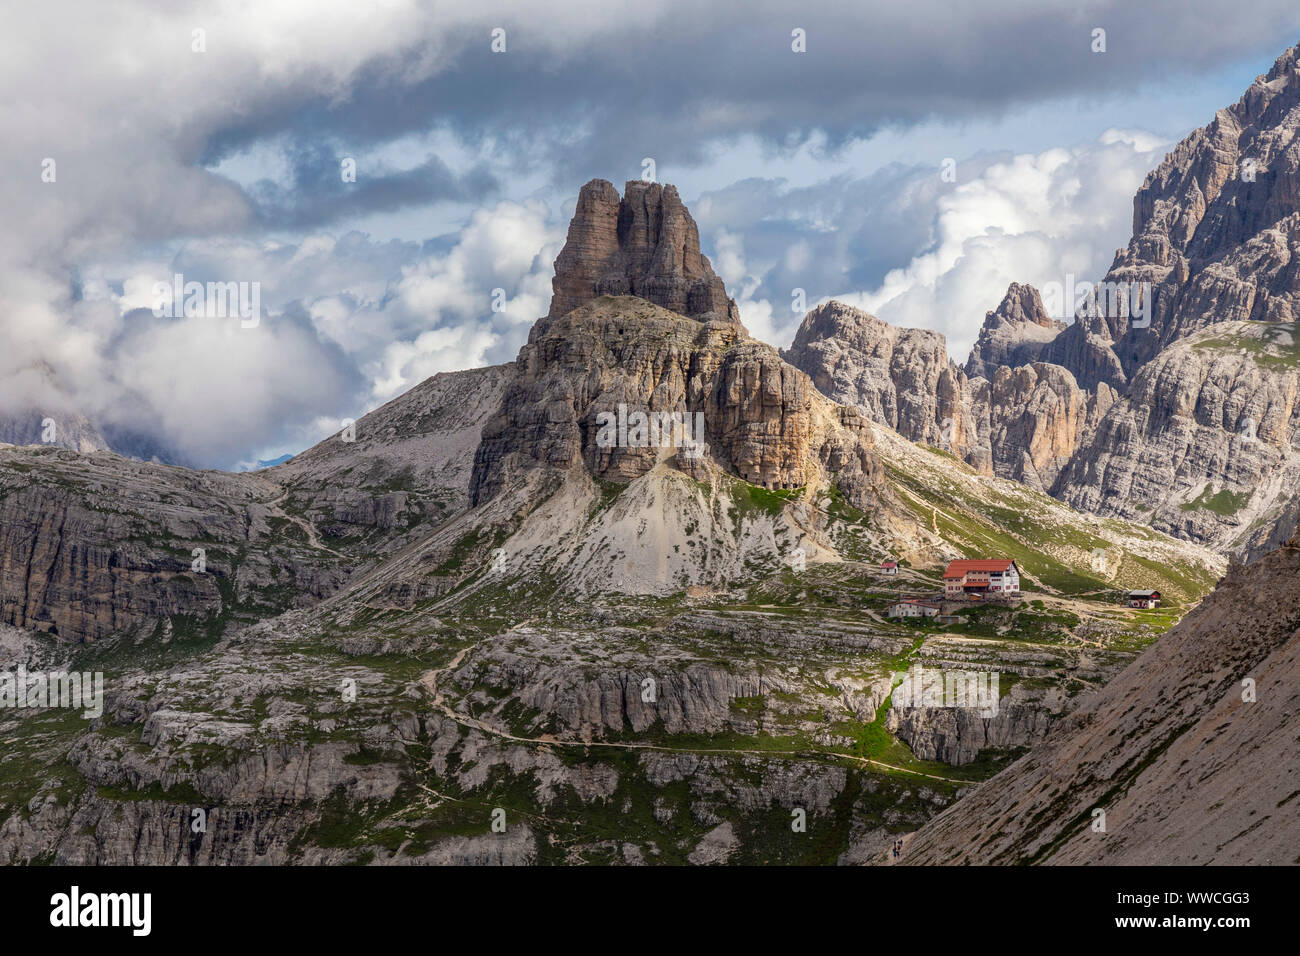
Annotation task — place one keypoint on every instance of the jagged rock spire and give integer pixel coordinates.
(644, 244)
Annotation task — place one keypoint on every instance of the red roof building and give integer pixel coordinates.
(972, 579)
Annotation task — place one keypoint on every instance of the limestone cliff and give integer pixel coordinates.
(644, 244)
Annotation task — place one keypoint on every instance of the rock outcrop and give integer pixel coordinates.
(640, 325)
(1037, 417)
(1022, 423)
(902, 378)
(1014, 334)
(644, 244)
(751, 416)
(957, 735)
(1204, 444)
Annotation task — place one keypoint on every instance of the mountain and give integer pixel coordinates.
(644, 244)
(625, 588)
(1024, 423)
(1013, 334)
(1202, 442)
(902, 378)
(1170, 397)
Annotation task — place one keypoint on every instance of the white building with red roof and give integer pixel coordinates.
(973, 579)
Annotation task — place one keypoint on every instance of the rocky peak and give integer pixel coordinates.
(1204, 199)
(898, 377)
(1216, 226)
(1021, 304)
(1013, 334)
(763, 420)
(644, 244)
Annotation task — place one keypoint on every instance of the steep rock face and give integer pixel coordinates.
(775, 431)
(645, 244)
(1216, 244)
(902, 378)
(1216, 234)
(1188, 768)
(763, 421)
(95, 544)
(70, 431)
(762, 413)
(1037, 416)
(957, 735)
(1022, 423)
(1203, 446)
(1087, 350)
(1014, 334)
(608, 353)
(639, 326)
(1216, 223)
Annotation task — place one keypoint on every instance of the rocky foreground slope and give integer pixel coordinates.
(1187, 757)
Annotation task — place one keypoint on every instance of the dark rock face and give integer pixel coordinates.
(1022, 423)
(95, 544)
(645, 244)
(763, 419)
(1216, 235)
(639, 321)
(607, 353)
(78, 563)
(762, 415)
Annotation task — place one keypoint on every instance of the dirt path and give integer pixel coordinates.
(307, 527)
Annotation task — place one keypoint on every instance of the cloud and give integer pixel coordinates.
(347, 324)
(579, 92)
(1033, 219)
(918, 251)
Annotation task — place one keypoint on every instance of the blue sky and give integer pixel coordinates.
(817, 170)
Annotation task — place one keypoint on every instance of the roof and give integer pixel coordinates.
(918, 602)
(959, 569)
(1142, 594)
(889, 564)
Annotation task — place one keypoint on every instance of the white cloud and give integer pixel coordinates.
(347, 325)
(1031, 219)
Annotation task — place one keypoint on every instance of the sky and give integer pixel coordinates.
(912, 159)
